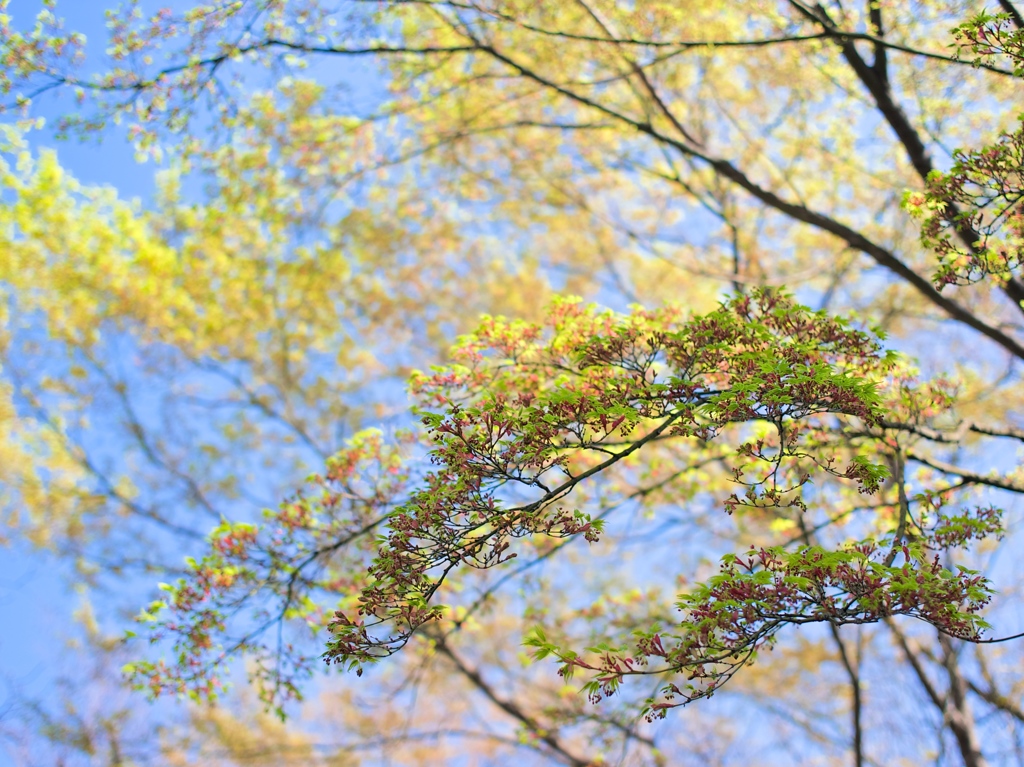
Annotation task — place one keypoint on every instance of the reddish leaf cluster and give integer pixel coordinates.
(529, 413)
(982, 194)
(255, 577)
(958, 530)
(532, 411)
(738, 612)
(972, 215)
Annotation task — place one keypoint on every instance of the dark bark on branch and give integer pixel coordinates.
(1009, 8)
(511, 708)
(958, 710)
(955, 708)
(795, 211)
(876, 80)
(968, 477)
(684, 45)
(915, 663)
(953, 437)
(891, 111)
(993, 697)
(856, 702)
(880, 65)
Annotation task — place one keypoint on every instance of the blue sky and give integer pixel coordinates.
(34, 596)
(36, 593)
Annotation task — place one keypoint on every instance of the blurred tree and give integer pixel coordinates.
(176, 368)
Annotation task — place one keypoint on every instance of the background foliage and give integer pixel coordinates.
(347, 188)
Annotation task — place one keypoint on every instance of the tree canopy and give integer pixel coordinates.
(554, 363)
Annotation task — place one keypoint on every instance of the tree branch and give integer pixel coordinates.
(915, 663)
(544, 734)
(879, 66)
(958, 711)
(795, 211)
(1014, 14)
(876, 81)
(968, 477)
(856, 704)
(901, 526)
(956, 436)
(992, 696)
